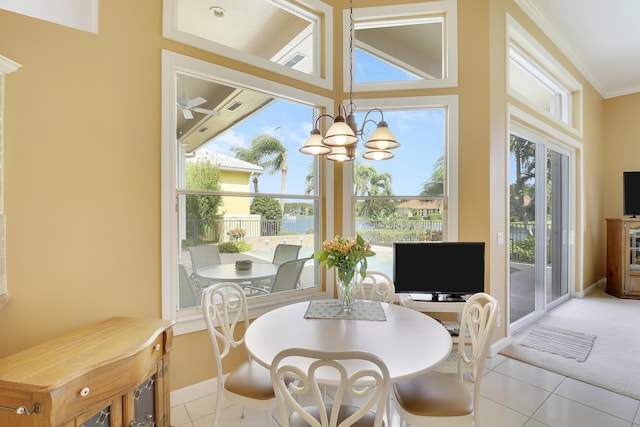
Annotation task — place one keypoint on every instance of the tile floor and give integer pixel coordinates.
(514, 394)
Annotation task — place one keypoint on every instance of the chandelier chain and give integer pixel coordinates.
(340, 141)
(351, 54)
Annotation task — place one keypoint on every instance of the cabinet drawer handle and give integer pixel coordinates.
(85, 392)
(22, 409)
(157, 347)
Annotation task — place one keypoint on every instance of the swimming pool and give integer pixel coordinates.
(382, 261)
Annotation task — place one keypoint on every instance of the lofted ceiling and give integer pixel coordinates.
(601, 37)
(282, 35)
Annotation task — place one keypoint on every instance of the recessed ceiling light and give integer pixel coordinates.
(217, 11)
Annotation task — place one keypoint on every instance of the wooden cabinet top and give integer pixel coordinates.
(624, 219)
(49, 365)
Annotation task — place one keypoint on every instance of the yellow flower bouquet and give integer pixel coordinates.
(346, 254)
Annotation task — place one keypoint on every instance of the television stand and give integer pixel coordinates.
(425, 303)
(448, 298)
(436, 297)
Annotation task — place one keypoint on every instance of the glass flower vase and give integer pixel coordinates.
(347, 277)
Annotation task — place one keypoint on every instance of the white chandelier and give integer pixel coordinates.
(341, 140)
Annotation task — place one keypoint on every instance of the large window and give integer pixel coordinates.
(283, 36)
(403, 46)
(235, 186)
(539, 81)
(413, 196)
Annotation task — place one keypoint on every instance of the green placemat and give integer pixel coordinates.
(332, 309)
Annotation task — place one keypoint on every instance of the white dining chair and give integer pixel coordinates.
(442, 399)
(376, 286)
(357, 398)
(224, 307)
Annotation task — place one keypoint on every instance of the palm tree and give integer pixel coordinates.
(525, 169)
(369, 182)
(435, 185)
(363, 174)
(266, 151)
(308, 180)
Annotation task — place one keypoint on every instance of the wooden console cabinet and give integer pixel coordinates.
(110, 374)
(623, 257)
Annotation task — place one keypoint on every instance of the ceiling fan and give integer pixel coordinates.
(187, 105)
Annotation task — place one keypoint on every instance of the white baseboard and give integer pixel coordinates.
(599, 284)
(497, 346)
(193, 392)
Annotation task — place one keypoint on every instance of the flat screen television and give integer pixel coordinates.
(631, 193)
(438, 271)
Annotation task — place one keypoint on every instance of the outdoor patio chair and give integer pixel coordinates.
(285, 252)
(190, 291)
(287, 278)
(203, 256)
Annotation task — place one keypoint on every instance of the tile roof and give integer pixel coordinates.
(225, 162)
(417, 204)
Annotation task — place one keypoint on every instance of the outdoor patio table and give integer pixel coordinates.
(229, 273)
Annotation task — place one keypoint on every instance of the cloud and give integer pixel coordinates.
(223, 143)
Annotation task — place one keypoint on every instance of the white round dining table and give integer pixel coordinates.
(408, 341)
(229, 273)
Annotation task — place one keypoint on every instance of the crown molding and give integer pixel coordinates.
(8, 66)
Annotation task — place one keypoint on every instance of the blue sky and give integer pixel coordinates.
(419, 132)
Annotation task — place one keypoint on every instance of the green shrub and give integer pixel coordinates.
(234, 247)
(524, 250)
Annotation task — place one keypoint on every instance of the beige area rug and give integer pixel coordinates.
(566, 343)
(611, 362)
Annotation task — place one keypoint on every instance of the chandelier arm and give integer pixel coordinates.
(373, 110)
(342, 111)
(321, 116)
(361, 132)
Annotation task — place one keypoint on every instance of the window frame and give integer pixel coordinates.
(408, 12)
(7, 66)
(544, 67)
(190, 320)
(323, 45)
(450, 104)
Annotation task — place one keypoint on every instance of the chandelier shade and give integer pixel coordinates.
(340, 134)
(342, 154)
(374, 154)
(313, 145)
(382, 138)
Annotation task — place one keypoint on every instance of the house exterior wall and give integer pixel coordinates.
(235, 181)
(82, 167)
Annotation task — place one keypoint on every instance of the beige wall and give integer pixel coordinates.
(621, 148)
(82, 176)
(589, 230)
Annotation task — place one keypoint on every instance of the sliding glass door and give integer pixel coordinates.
(539, 226)
(557, 265)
